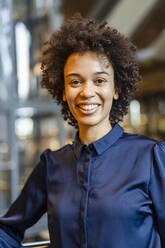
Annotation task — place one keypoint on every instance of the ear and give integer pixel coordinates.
(64, 96)
(116, 94)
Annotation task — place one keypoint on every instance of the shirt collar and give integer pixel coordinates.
(101, 144)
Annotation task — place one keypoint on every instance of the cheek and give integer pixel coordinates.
(70, 99)
(107, 94)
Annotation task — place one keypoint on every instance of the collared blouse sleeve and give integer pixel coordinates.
(28, 207)
(157, 189)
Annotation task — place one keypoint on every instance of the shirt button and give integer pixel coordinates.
(93, 195)
(90, 147)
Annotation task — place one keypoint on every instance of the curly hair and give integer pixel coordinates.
(79, 34)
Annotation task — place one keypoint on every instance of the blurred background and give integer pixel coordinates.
(30, 121)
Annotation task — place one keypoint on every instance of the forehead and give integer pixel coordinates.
(87, 61)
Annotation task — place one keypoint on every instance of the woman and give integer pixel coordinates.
(107, 189)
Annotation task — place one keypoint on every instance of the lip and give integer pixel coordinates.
(88, 103)
(90, 110)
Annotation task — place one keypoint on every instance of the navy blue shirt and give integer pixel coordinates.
(109, 194)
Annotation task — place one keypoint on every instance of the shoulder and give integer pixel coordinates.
(64, 148)
(56, 162)
(159, 150)
(64, 151)
(142, 148)
(138, 138)
(139, 141)
(161, 145)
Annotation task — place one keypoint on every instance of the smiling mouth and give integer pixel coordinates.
(88, 107)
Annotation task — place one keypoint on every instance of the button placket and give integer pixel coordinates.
(84, 171)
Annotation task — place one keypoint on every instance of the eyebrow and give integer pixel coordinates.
(96, 73)
(73, 74)
(101, 72)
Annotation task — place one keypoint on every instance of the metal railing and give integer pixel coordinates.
(36, 244)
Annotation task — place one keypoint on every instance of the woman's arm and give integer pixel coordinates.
(28, 207)
(157, 189)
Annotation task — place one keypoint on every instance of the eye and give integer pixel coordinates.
(100, 81)
(75, 82)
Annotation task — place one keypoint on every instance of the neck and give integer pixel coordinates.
(89, 135)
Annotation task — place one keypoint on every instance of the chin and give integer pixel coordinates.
(90, 123)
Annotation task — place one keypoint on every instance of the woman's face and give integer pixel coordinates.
(89, 88)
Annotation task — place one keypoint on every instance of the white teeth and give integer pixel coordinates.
(88, 107)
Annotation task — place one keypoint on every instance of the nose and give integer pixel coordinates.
(88, 90)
